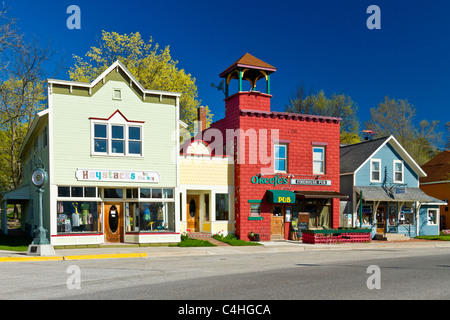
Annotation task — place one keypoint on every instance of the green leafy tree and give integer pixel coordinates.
(397, 118)
(153, 67)
(337, 105)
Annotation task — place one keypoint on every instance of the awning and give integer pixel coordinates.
(19, 194)
(321, 194)
(280, 196)
(391, 194)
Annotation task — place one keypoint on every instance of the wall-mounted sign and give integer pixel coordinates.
(117, 175)
(273, 181)
(311, 182)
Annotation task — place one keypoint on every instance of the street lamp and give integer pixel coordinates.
(40, 245)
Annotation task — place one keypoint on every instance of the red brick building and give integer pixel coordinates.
(286, 164)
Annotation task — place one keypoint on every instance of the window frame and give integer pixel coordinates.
(285, 145)
(109, 138)
(402, 172)
(371, 170)
(323, 160)
(435, 217)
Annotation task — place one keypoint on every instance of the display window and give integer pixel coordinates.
(77, 217)
(150, 216)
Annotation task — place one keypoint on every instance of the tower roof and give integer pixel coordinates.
(249, 61)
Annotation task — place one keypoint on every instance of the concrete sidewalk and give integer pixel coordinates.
(116, 252)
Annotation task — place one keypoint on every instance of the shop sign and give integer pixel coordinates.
(274, 180)
(117, 175)
(311, 182)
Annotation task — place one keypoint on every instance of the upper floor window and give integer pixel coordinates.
(375, 170)
(318, 160)
(280, 158)
(398, 171)
(116, 136)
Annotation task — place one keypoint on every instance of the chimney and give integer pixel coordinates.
(201, 118)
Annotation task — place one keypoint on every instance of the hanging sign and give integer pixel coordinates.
(312, 182)
(117, 175)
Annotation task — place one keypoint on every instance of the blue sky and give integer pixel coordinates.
(324, 44)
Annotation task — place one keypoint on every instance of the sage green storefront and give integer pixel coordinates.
(111, 151)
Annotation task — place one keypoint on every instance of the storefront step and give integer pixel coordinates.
(391, 237)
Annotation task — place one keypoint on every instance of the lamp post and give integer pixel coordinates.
(40, 245)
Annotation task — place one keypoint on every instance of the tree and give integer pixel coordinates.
(153, 68)
(22, 94)
(396, 117)
(337, 105)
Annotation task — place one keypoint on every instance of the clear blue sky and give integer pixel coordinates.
(323, 43)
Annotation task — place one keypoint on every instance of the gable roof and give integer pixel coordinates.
(438, 168)
(118, 65)
(353, 157)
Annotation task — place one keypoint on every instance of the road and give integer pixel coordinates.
(420, 273)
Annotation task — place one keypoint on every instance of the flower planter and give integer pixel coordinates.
(336, 236)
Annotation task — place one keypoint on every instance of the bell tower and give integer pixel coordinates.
(251, 69)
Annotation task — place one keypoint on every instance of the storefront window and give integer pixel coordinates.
(255, 210)
(206, 215)
(393, 215)
(222, 206)
(113, 193)
(77, 217)
(432, 216)
(154, 217)
(407, 215)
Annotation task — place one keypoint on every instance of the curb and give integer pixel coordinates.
(76, 257)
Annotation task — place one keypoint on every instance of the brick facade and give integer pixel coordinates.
(250, 112)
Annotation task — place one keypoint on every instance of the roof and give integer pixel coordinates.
(116, 64)
(438, 168)
(354, 155)
(249, 61)
(386, 194)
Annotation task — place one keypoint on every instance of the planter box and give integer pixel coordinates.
(336, 236)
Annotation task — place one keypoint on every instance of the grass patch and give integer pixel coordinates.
(188, 242)
(10, 243)
(233, 241)
(440, 237)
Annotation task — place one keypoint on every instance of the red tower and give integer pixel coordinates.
(286, 164)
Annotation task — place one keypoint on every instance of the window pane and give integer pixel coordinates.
(157, 217)
(144, 192)
(398, 176)
(117, 132)
(318, 167)
(134, 133)
(77, 191)
(113, 193)
(375, 176)
(398, 166)
(157, 193)
(280, 165)
(221, 206)
(134, 147)
(90, 192)
(76, 217)
(375, 166)
(280, 152)
(63, 191)
(100, 145)
(168, 193)
(318, 154)
(117, 146)
(100, 130)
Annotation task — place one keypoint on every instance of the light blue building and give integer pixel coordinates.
(382, 182)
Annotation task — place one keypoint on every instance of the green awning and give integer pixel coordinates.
(280, 196)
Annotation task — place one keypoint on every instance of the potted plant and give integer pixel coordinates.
(251, 235)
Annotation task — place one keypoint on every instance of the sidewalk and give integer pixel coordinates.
(115, 252)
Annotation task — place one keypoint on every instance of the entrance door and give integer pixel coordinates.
(381, 219)
(113, 217)
(277, 224)
(192, 214)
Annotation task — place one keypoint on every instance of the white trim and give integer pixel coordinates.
(437, 217)
(324, 159)
(394, 171)
(414, 166)
(116, 64)
(379, 170)
(434, 182)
